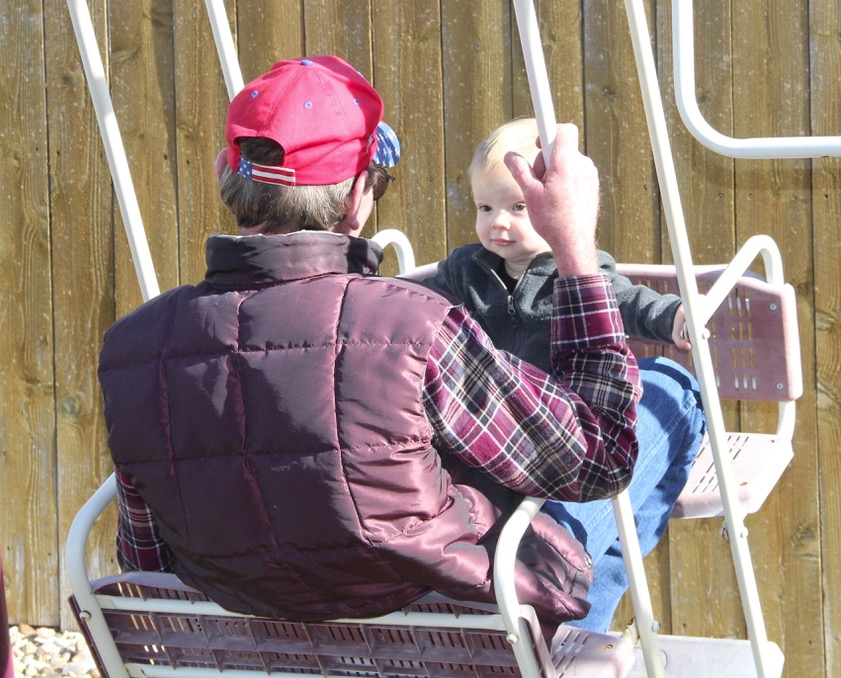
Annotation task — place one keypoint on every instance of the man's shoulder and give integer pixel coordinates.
(157, 305)
(415, 291)
(142, 327)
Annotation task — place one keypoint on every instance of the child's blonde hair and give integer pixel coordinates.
(519, 135)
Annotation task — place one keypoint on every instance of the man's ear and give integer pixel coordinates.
(221, 161)
(357, 208)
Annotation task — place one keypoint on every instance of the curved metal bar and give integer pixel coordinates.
(77, 574)
(758, 147)
(401, 244)
(505, 559)
(755, 245)
(646, 625)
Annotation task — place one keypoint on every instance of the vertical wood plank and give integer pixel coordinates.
(143, 93)
(617, 138)
(83, 265)
(342, 29)
(407, 73)
(771, 98)
(201, 102)
(824, 29)
(27, 414)
(476, 61)
(706, 179)
(268, 32)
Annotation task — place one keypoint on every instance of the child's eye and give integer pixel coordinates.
(483, 208)
(520, 207)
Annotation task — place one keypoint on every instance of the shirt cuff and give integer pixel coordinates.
(586, 313)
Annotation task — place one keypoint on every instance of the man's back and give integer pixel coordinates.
(266, 415)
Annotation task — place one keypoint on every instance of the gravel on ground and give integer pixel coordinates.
(47, 652)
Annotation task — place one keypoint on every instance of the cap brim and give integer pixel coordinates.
(388, 146)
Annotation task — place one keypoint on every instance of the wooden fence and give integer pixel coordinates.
(449, 71)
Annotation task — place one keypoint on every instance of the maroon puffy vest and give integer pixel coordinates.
(272, 418)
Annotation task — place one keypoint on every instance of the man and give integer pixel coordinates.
(297, 437)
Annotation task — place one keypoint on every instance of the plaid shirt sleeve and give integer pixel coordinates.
(139, 547)
(567, 436)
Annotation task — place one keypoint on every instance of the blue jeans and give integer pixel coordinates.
(670, 427)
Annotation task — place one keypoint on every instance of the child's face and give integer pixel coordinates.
(502, 221)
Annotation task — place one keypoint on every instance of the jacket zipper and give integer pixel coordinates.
(512, 309)
(515, 320)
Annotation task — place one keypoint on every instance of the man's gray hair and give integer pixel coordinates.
(280, 209)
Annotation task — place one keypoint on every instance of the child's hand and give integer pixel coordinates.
(679, 330)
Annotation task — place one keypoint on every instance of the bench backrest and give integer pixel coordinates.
(754, 340)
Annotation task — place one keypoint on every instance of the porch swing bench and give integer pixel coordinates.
(151, 624)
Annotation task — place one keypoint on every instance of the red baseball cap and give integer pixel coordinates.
(325, 115)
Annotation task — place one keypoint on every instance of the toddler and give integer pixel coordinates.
(505, 281)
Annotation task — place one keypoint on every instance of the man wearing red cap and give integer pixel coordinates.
(298, 437)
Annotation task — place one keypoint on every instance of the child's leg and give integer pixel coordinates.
(670, 426)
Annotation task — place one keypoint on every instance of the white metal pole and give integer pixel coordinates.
(225, 46)
(117, 161)
(646, 625)
(547, 127)
(734, 512)
(544, 110)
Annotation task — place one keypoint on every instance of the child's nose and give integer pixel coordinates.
(501, 221)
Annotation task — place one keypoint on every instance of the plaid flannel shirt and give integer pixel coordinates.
(566, 436)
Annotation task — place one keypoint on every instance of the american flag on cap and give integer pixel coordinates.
(266, 174)
(386, 155)
(388, 146)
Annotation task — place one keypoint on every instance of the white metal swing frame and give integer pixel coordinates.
(700, 307)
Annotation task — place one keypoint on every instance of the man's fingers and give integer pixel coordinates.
(519, 168)
(567, 136)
